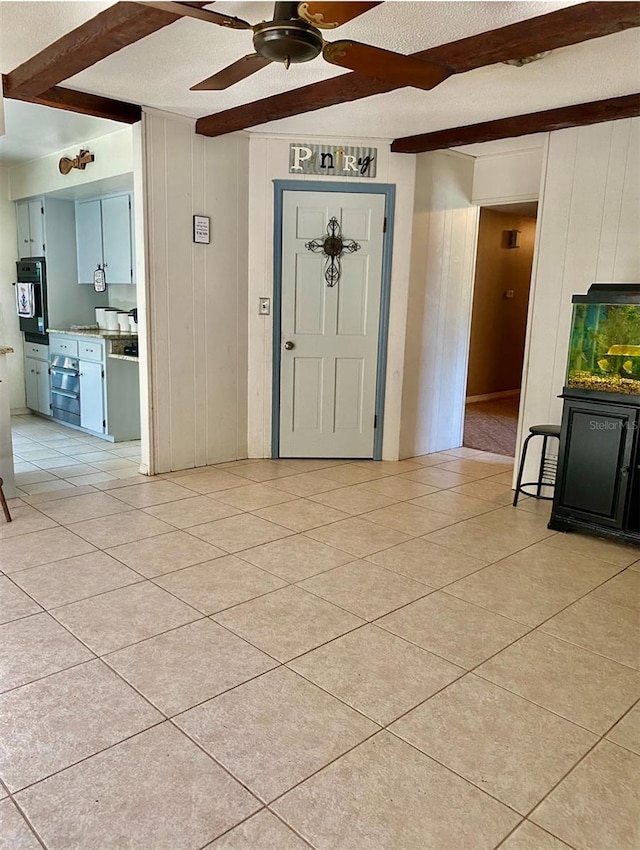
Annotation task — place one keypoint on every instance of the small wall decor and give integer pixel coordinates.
(67, 164)
(333, 246)
(511, 238)
(201, 229)
(332, 160)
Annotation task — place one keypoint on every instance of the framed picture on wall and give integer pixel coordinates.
(201, 229)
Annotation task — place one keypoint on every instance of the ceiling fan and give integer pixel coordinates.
(294, 35)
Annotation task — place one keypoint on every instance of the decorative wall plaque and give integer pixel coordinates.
(332, 160)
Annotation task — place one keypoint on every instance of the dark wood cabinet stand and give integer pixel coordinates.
(598, 482)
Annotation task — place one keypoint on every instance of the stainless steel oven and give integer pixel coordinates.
(65, 388)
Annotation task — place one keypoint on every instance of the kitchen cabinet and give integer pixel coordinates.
(30, 225)
(92, 396)
(104, 238)
(37, 385)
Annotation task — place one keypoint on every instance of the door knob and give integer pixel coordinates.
(289, 345)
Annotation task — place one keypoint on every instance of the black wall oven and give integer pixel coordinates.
(32, 270)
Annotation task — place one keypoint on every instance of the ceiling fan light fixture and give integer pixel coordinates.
(526, 60)
(290, 42)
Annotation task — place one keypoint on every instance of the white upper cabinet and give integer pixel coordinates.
(30, 221)
(103, 230)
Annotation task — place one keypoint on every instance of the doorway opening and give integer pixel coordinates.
(506, 238)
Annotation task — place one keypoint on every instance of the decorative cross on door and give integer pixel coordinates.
(333, 246)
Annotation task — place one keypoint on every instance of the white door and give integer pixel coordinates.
(91, 396)
(31, 382)
(36, 228)
(116, 239)
(89, 238)
(44, 387)
(329, 345)
(24, 230)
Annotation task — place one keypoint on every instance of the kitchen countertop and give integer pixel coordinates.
(6, 349)
(124, 357)
(98, 333)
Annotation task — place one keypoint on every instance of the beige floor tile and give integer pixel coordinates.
(165, 553)
(14, 832)
(263, 831)
(14, 604)
(74, 578)
(54, 462)
(398, 489)
(568, 680)
(385, 794)
(188, 665)
(491, 491)
(288, 622)
(623, 590)
(305, 484)
(463, 634)
(41, 547)
(94, 478)
(300, 515)
(390, 467)
(566, 570)
(34, 647)
(427, 562)
(38, 499)
(626, 732)
(609, 630)
(597, 805)
(358, 536)
(79, 508)
(264, 470)
(476, 468)
(275, 731)
(295, 558)
(114, 463)
(124, 616)
(437, 477)
(309, 464)
(513, 593)
(376, 672)
(122, 478)
(353, 500)
(540, 507)
(74, 470)
(55, 485)
(216, 585)
(25, 519)
(505, 745)
(55, 722)
(211, 481)
(410, 519)
(156, 790)
(492, 543)
(154, 493)
(352, 473)
(605, 550)
(34, 454)
(365, 589)
(528, 836)
(454, 504)
(89, 454)
(35, 476)
(195, 510)
(253, 496)
(243, 531)
(436, 458)
(119, 528)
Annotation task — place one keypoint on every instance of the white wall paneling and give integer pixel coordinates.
(507, 176)
(269, 161)
(588, 225)
(196, 293)
(445, 227)
(9, 325)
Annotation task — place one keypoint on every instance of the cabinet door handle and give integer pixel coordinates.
(625, 470)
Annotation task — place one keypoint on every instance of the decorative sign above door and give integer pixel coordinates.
(332, 160)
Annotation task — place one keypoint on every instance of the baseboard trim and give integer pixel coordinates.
(19, 411)
(473, 399)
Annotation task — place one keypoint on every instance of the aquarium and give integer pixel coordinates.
(604, 351)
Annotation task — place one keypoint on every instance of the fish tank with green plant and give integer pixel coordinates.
(604, 351)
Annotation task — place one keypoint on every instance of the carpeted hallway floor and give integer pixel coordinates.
(491, 425)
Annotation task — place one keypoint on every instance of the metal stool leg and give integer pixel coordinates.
(521, 470)
(5, 506)
(542, 463)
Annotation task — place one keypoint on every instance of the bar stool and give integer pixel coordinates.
(3, 501)
(548, 465)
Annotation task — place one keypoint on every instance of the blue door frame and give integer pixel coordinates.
(389, 191)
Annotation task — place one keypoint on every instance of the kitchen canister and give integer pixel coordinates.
(100, 321)
(133, 325)
(123, 321)
(111, 320)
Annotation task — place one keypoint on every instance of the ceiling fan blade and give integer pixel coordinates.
(202, 15)
(232, 74)
(385, 65)
(327, 16)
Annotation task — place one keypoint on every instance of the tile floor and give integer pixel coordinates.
(279, 655)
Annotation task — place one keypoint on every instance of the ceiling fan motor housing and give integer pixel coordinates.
(287, 41)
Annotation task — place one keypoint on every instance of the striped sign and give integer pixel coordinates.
(332, 160)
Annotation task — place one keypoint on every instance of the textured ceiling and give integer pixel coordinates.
(158, 70)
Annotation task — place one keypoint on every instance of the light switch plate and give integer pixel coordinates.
(264, 306)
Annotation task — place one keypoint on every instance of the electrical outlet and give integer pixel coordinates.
(264, 306)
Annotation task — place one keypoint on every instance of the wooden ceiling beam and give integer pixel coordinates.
(106, 33)
(577, 115)
(77, 101)
(571, 25)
